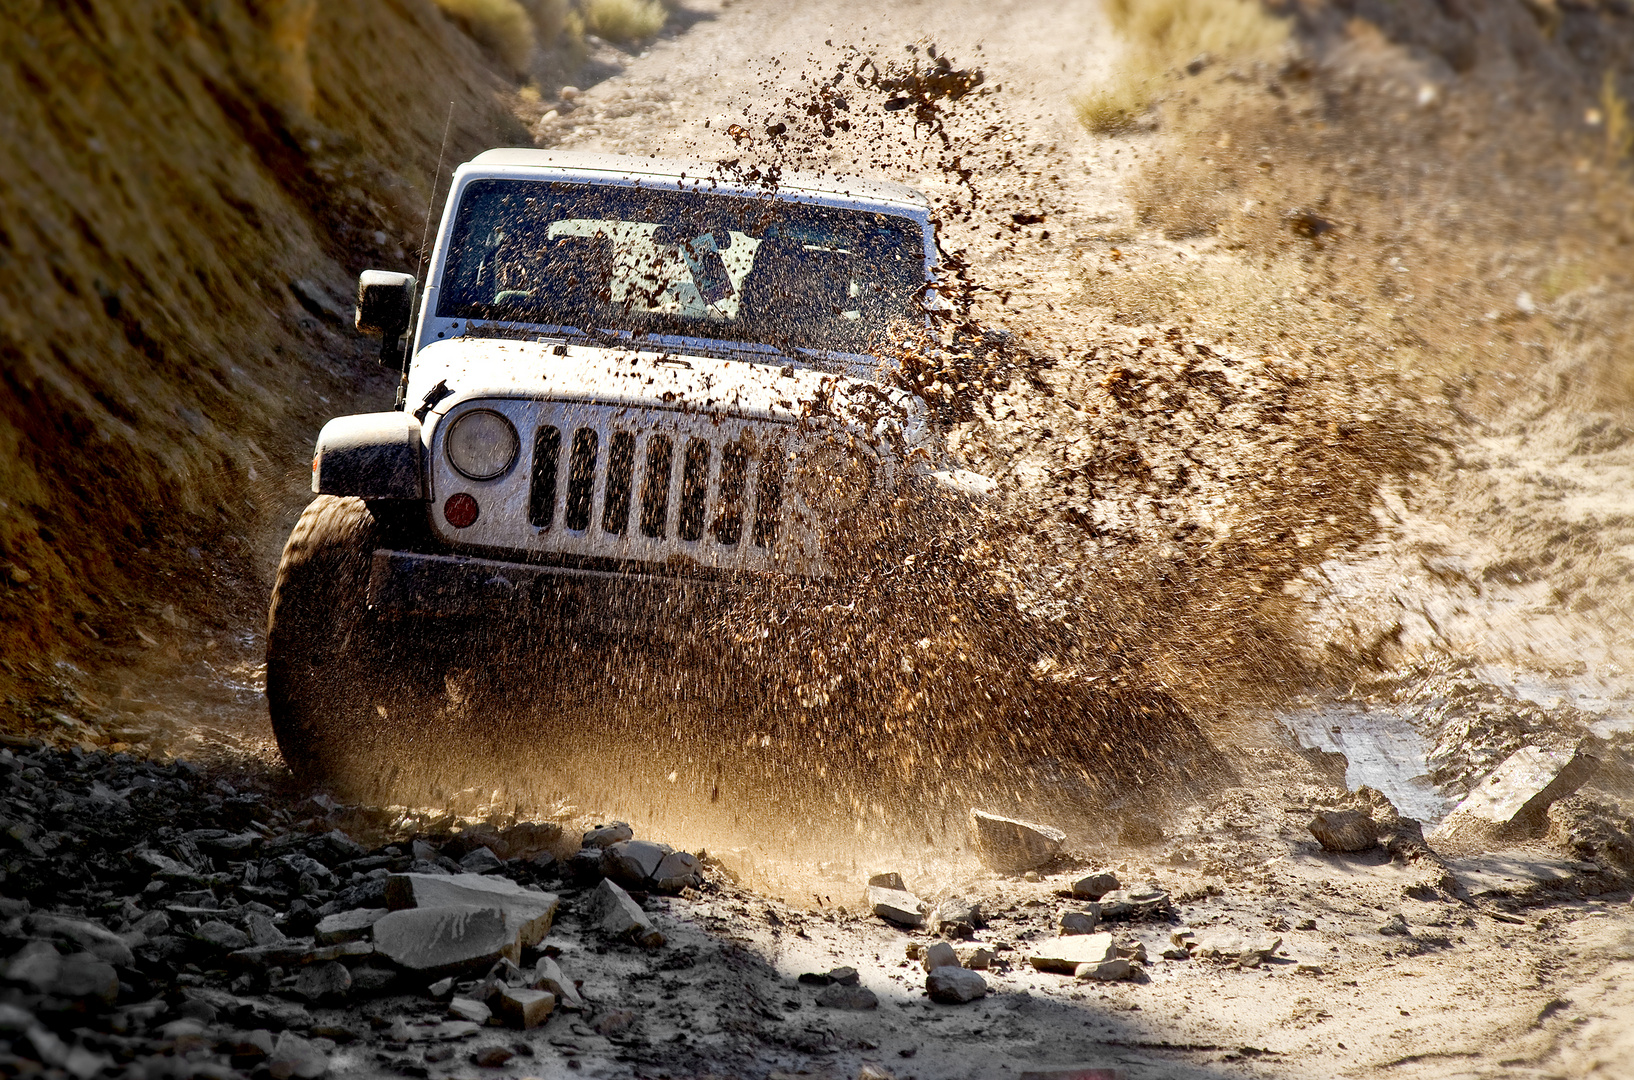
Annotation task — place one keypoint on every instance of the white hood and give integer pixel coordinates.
(471, 367)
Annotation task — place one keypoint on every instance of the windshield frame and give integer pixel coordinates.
(432, 328)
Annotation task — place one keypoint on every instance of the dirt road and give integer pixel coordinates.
(1520, 962)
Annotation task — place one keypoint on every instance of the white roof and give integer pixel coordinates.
(699, 171)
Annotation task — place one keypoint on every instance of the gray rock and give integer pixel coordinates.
(87, 935)
(940, 954)
(902, 908)
(1078, 922)
(525, 1009)
(621, 917)
(294, 1058)
(77, 1061)
(469, 1009)
(531, 912)
(164, 867)
(153, 924)
(263, 931)
(347, 925)
(250, 1045)
(1512, 801)
(449, 1030)
(1258, 952)
(80, 976)
(85, 975)
(492, 1057)
(346, 950)
(323, 982)
(447, 940)
(1095, 886)
(631, 862)
(955, 985)
(889, 880)
(15, 1020)
(547, 975)
(221, 936)
(38, 963)
(841, 996)
(1010, 845)
(956, 918)
(1134, 903)
(529, 839)
(1105, 971)
(677, 871)
(270, 956)
(481, 860)
(371, 981)
(1064, 954)
(1395, 925)
(976, 957)
(1229, 948)
(1345, 831)
(604, 835)
(231, 846)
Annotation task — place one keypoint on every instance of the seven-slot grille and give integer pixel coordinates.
(656, 484)
(637, 484)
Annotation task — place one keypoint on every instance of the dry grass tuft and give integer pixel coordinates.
(503, 27)
(624, 20)
(1164, 35)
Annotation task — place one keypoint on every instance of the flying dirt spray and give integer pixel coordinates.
(1079, 643)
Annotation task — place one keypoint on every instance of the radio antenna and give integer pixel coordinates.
(425, 238)
(431, 200)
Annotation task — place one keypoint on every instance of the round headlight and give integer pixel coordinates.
(482, 444)
(833, 479)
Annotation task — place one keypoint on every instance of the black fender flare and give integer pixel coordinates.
(370, 456)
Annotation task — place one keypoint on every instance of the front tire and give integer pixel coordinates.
(325, 662)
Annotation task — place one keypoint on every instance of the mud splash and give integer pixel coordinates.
(1081, 648)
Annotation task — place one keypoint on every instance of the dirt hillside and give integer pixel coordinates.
(187, 193)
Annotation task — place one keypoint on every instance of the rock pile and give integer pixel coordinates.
(151, 912)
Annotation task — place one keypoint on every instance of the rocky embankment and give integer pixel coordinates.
(164, 920)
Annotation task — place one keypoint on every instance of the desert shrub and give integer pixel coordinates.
(503, 27)
(1162, 36)
(624, 20)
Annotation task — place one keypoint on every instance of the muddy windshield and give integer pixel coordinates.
(666, 262)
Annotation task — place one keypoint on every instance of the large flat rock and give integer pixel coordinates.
(532, 912)
(1514, 798)
(1064, 954)
(1010, 845)
(447, 940)
(902, 908)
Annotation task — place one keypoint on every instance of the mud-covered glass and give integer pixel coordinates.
(607, 257)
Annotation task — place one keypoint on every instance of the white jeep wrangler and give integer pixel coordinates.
(634, 386)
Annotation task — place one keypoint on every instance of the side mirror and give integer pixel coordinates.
(384, 302)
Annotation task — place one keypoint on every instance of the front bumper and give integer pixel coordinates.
(403, 583)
